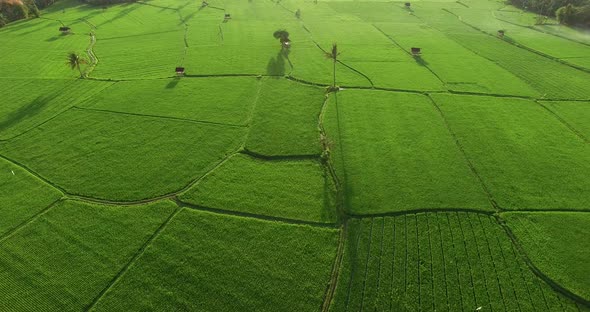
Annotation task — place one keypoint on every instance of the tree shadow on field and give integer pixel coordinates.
(28, 110)
(172, 84)
(276, 65)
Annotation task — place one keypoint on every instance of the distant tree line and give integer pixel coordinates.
(568, 12)
(13, 10)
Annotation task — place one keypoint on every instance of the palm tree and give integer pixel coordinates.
(333, 55)
(74, 61)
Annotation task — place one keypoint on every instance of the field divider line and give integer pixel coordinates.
(158, 117)
(564, 122)
(34, 173)
(136, 256)
(524, 47)
(524, 256)
(236, 213)
(326, 160)
(357, 71)
(471, 166)
(170, 196)
(91, 55)
(418, 264)
(335, 274)
(8, 234)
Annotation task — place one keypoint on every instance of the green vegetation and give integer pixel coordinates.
(526, 157)
(22, 196)
(438, 262)
(120, 157)
(398, 155)
(557, 243)
(260, 265)
(193, 99)
(77, 251)
(293, 155)
(285, 120)
(288, 189)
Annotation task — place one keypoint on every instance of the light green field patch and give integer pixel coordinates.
(220, 100)
(229, 264)
(66, 257)
(577, 114)
(557, 244)
(458, 67)
(398, 155)
(21, 196)
(120, 157)
(287, 189)
(285, 119)
(160, 54)
(526, 157)
(37, 49)
(26, 103)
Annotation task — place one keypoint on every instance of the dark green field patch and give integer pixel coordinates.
(66, 257)
(285, 120)
(210, 262)
(438, 262)
(119, 157)
(288, 189)
(557, 244)
(398, 155)
(525, 156)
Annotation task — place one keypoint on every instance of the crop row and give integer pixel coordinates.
(438, 262)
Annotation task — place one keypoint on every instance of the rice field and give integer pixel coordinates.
(200, 159)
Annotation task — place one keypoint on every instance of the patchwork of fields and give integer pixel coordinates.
(453, 180)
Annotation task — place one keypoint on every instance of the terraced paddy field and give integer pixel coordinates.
(294, 177)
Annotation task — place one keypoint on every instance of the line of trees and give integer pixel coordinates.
(568, 12)
(12, 10)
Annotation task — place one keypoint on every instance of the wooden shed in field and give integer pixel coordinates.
(65, 29)
(416, 51)
(501, 33)
(179, 71)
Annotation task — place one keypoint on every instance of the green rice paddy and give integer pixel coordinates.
(275, 178)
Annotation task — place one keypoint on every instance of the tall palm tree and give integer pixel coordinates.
(333, 55)
(74, 61)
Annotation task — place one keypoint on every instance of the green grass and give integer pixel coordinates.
(398, 155)
(28, 103)
(438, 262)
(42, 54)
(22, 195)
(449, 60)
(118, 157)
(557, 243)
(288, 189)
(65, 258)
(285, 119)
(219, 100)
(526, 157)
(228, 263)
(575, 114)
